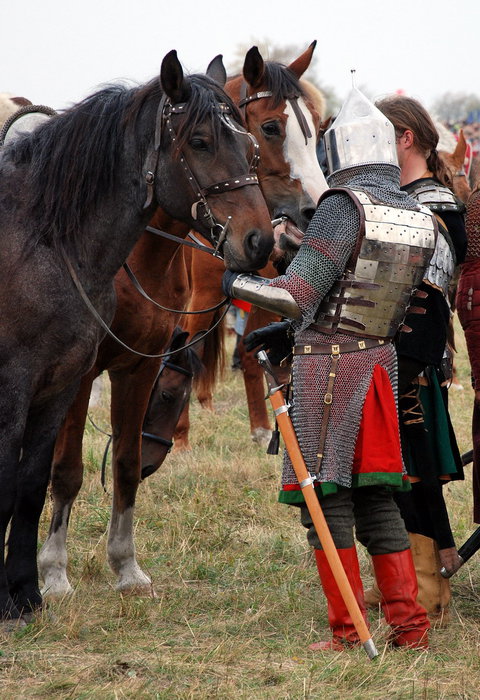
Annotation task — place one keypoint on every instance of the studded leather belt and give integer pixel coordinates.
(339, 348)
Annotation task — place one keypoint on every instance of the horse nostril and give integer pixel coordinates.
(252, 242)
(257, 248)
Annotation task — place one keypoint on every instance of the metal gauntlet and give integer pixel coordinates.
(259, 292)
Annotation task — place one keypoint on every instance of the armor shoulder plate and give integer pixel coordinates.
(442, 264)
(435, 196)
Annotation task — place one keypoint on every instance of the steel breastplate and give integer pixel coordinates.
(393, 249)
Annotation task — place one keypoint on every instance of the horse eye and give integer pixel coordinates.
(198, 144)
(166, 396)
(271, 129)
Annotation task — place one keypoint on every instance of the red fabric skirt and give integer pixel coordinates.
(377, 449)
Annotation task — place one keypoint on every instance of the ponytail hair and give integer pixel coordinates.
(408, 113)
(437, 166)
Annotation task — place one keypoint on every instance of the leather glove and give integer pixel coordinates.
(276, 339)
(228, 279)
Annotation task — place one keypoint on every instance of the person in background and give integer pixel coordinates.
(429, 446)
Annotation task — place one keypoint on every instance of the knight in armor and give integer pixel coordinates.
(346, 293)
(429, 446)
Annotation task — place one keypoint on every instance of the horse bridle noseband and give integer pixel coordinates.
(176, 368)
(200, 208)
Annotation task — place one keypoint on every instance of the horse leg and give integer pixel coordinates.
(33, 475)
(260, 430)
(66, 481)
(130, 394)
(10, 449)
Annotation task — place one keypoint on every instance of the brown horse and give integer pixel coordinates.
(281, 111)
(225, 153)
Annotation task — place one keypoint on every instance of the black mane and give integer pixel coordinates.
(72, 159)
(282, 82)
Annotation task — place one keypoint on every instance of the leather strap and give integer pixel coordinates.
(327, 400)
(339, 348)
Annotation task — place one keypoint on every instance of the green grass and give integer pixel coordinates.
(238, 598)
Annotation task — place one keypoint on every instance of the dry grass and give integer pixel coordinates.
(238, 600)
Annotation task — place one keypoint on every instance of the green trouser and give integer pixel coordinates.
(373, 513)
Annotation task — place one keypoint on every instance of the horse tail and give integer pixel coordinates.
(213, 358)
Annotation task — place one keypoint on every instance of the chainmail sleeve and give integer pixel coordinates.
(328, 243)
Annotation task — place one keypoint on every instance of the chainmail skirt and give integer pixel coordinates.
(354, 376)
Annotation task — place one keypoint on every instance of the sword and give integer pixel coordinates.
(466, 551)
(306, 481)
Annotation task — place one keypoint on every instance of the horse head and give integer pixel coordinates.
(210, 176)
(170, 393)
(283, 112)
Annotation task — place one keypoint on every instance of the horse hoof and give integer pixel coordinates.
(139, 590)
(56, 589)
(8, 627)
(262, 436)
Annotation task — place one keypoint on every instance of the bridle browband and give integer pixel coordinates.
(200, 208)
(292, 99)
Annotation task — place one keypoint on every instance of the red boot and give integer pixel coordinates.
(396, 578)
(344, 632)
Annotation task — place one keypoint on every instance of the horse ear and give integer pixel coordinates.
(216, 70)
(21, 101)
(179, 338)
(172, 79)
(253, 67)
(460, 149)
(300, 64)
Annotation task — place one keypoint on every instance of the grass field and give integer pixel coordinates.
(238, 598)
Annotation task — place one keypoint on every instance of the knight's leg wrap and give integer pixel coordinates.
(343, 629)
(379, 525)
(338, 511)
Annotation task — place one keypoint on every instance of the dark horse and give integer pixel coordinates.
(75, 195)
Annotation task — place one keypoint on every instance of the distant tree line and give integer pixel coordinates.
(453, 107)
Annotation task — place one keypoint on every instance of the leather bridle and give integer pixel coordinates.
(181, 370)
(292, 99)
(149, 436)
(200, 211)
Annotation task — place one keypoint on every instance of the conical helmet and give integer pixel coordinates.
(360, 135)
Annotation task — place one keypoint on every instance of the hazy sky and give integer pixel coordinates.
(55, 52)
